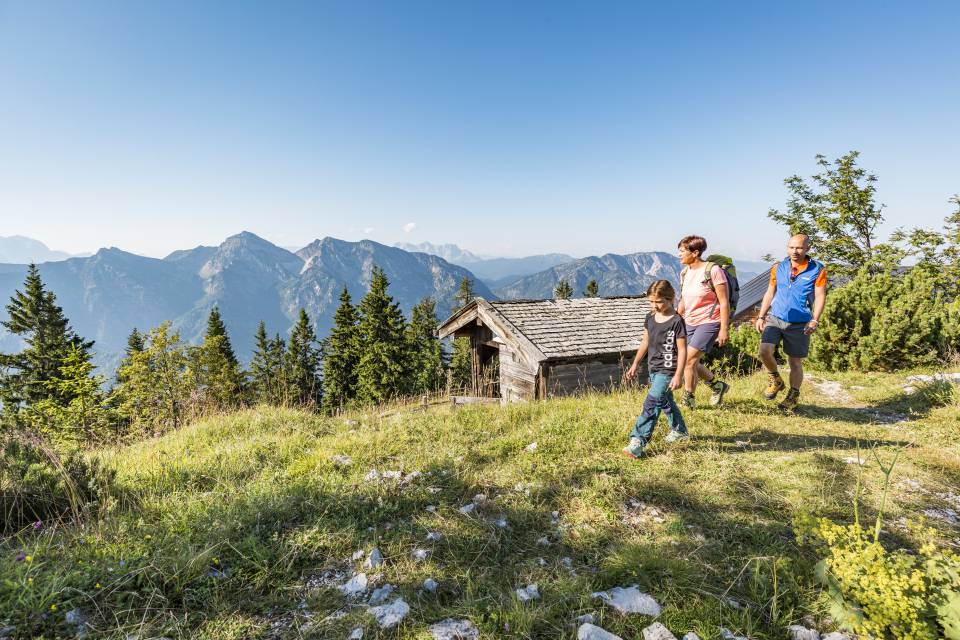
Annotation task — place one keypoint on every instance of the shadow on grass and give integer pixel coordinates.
(765, 440)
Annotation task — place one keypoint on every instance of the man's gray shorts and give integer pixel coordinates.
(796, 344)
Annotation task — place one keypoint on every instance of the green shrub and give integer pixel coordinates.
(886, 594)
(39, 484)
(885, 322)
(739, 356)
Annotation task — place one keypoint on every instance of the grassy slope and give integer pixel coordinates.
(256, 494)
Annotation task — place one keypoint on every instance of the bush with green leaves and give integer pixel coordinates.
(39, 484)
(883, 322)
(886, 594)
(739, 356)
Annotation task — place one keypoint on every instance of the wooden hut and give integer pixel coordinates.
(550, 348)
(751, 295)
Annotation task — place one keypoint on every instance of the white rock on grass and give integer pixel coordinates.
(852, 460)
(420, 555)
(372, 476)
(374, 560)
(357, 555)
(629, 600)
(451, 629)
(726, 634)
(690, 636)
(543, 541)
(530, 448)
(836, 635)
(430, 585)
(528, 593)
(500, 523)
(479, 499)
(356, 634)
(586, 618)
(379, 596)
(588, 631)
(431, 508)
(800, 632)
(390, 615)
(355, 586)
(433, 536)
(468, 508)
(657, 631)
(341, 460)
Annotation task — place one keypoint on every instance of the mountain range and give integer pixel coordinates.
(250, 279)
(108, 294)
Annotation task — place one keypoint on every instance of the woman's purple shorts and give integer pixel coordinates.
(702, 336)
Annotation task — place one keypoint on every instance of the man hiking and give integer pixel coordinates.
(794, 283)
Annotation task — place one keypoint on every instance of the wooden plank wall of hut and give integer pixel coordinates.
(517, 381)
(601, 374)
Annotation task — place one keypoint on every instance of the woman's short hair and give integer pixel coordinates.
(662, 289)
(694, 243)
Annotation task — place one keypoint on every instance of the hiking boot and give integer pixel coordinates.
(776, 386)
(676, 436)
(688, 400)
(634, 449)
(790, 402)
(720, 389)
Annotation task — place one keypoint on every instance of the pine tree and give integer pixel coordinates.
(342, 356)
(563, 291)
(302, 363)
(217, 370)
(383, 370)
(461, 362)
(592, 290)
(429, 371)
(35, 316)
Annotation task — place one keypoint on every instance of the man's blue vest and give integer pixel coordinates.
(794, 296)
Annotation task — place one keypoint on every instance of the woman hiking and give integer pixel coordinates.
(705, 308)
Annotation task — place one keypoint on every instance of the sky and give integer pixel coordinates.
(507, 128)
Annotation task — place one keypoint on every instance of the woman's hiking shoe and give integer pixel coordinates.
(688, 400)
(676, 436)
(720, 389)
(634, 449)
(790, 402)
(776, 386)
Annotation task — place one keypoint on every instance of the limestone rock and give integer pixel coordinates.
(528, 593)
(451, 629)
(800, 632)
(657, 631)
(629, 600)
(588, 631)
(390, 615)
(355, 586)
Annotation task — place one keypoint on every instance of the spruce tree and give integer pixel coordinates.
(261, 375)
(218, 371)
(563, 291)
(592, 290)
(35, 316)
(277, 365)
(426, 353)
(464, 294)
(303, 384)
(341, 357)
(382, 372)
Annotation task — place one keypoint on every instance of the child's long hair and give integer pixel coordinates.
(662, 289)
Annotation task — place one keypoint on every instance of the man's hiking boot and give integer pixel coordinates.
(688, 400)
(790, 402)
(676, 436)
(634, 449)
(720, 389)
(776, 386)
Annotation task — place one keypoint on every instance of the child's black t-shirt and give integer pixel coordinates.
(662, 344)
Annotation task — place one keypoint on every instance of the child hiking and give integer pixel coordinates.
(664, 343)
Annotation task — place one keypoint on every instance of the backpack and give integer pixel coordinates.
(733, 285)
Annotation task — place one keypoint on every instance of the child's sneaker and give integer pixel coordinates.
(790, 402)
(720, 389)
(676, 436)
(634, 449)
(688, 400)
(776, 386)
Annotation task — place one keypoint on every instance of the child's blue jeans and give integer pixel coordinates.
(659, 398)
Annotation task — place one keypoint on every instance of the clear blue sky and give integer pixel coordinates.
(508, 128)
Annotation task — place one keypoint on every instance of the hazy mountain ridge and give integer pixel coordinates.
(494, 272)
(615, 274)
(24, 250)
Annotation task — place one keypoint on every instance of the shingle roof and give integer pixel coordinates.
(751, 293)
(580, 326)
